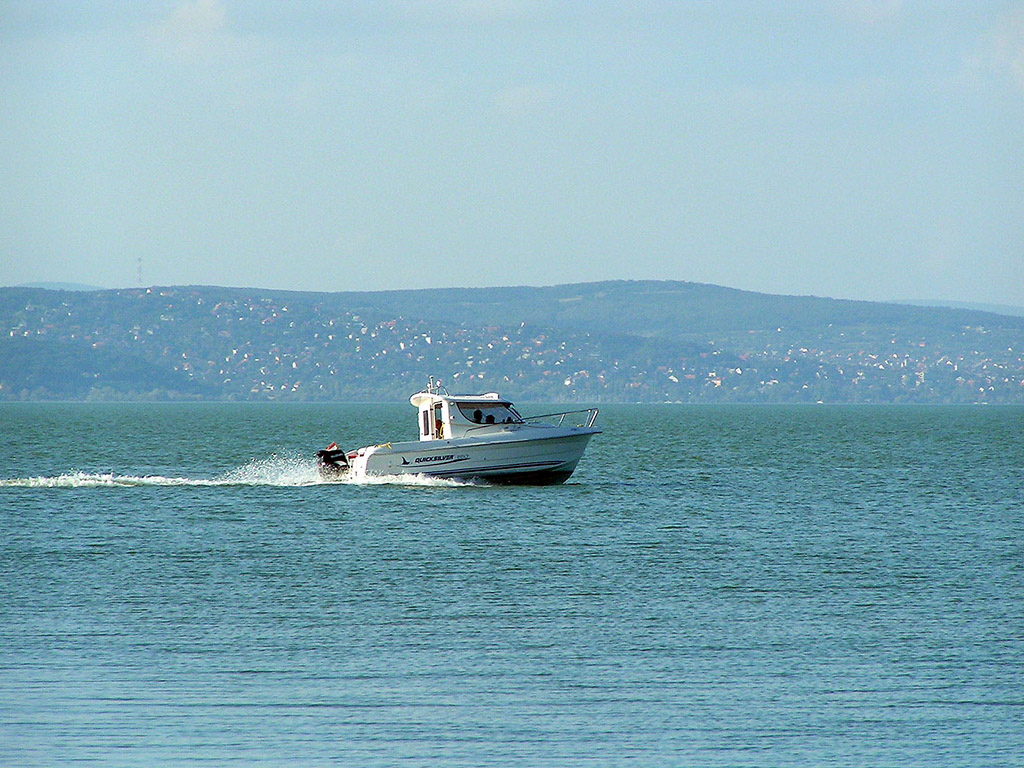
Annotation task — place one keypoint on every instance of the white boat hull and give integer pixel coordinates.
(530, 455)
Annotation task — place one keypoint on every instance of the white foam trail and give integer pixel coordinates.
(296, 470)
(93, 480)
(276, 471)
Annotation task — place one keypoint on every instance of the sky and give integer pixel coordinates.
(868, 149)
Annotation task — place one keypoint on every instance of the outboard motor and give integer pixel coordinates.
(332, 460)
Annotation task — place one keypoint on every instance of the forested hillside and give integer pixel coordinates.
(595, 342)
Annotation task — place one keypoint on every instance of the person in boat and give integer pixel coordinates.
(478, 416)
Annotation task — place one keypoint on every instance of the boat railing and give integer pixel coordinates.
(585, 421)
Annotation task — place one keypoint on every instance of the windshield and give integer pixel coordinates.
(490, 413)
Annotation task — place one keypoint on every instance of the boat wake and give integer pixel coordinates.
(282, 472)
(98, 480)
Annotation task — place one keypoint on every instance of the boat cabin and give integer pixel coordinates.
(446, 417)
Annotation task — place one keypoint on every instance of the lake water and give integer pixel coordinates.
(727, 586)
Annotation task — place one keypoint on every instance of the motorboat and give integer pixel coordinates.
(474, 437)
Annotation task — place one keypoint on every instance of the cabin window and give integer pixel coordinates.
(489, 413)
(426, 423)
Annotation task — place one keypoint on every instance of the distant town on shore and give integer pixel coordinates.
(626, 341)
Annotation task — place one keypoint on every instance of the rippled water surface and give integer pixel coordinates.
(714, 586)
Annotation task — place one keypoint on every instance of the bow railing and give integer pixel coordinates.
(585, 421)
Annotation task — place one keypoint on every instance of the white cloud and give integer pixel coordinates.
(1005, 53)
(999, 54)
(470, 11)
(194, 29)
(869, 13)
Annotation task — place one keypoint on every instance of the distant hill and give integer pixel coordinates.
(62, 286)
(999, 309)
(620, 341)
